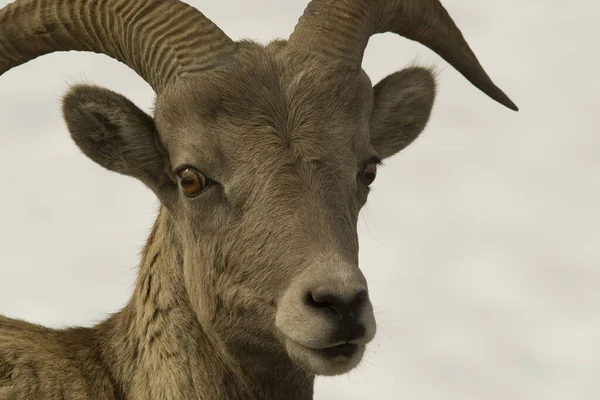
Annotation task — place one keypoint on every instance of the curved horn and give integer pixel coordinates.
(159, 39)
(342, 28)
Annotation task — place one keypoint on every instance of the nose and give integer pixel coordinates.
(327, 306)
(345, 305)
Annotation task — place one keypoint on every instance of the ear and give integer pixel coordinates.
(116, 134)
(401, 108)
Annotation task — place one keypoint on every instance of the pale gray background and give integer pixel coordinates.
(481, 241)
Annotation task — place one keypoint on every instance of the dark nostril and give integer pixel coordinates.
(326, 301)
(343, 306)
(358, 300)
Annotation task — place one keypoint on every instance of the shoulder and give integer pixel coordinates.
(42, 363)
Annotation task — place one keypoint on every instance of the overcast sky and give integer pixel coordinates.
(481, 241)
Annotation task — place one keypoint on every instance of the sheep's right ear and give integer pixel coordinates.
(116, 134)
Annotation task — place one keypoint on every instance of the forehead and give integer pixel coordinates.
(268, 102)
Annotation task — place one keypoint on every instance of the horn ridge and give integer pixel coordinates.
(159, 39)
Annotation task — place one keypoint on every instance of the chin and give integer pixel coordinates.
(328, 361)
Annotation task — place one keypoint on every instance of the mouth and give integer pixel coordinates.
(334, 360)
(342, 350)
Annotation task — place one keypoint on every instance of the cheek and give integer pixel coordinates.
(201, 279)
(359, 198)
(226, 271)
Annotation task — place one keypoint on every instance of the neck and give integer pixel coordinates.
(158, 349)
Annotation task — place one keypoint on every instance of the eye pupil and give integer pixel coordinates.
(192, 182)
(368, 173)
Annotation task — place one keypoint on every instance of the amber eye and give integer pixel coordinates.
(192, 182)
(368, 173)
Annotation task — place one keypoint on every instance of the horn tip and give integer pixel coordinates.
(498, 95)
(508, 103)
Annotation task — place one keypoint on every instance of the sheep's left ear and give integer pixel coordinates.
(401, 109)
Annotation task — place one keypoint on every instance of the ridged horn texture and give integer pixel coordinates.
(159, 39)
(342, 28)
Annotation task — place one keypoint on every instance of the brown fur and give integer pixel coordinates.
(215, 306)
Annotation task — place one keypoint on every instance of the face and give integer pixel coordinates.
(263, 166)
(273, 165)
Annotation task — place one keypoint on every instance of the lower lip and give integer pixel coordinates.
(343, 350)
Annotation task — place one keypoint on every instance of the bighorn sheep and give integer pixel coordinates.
(262, 157)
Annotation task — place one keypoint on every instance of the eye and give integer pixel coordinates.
(192, 182)
(368, 173)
